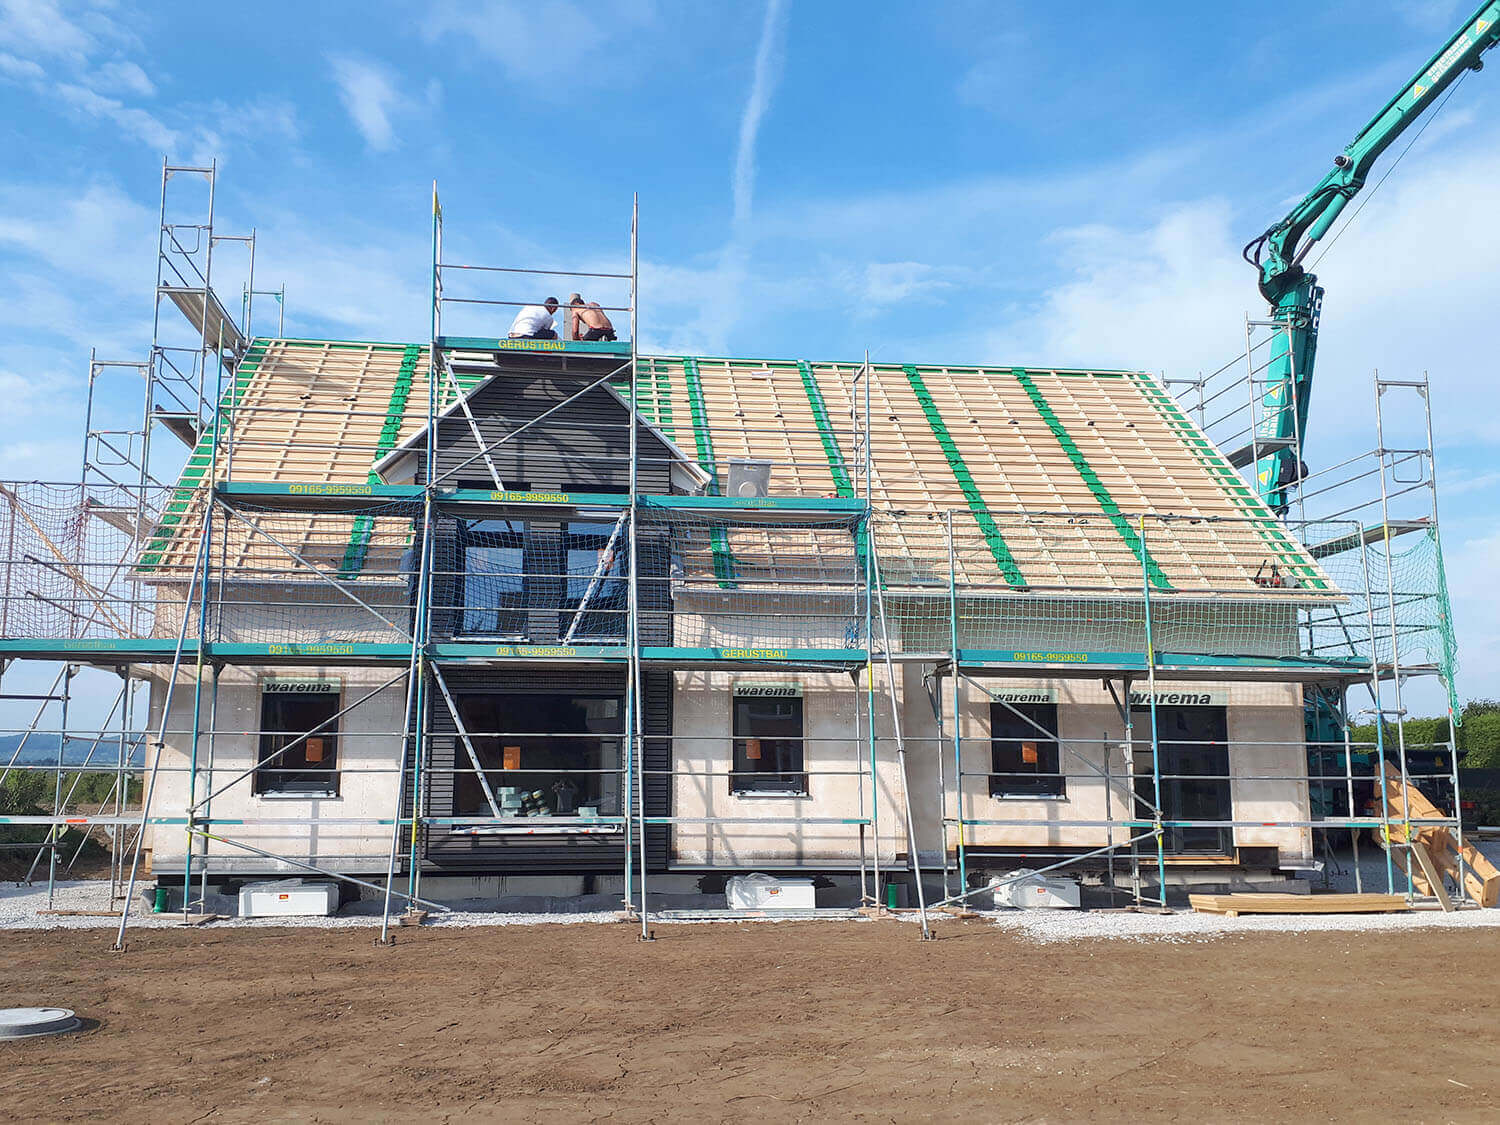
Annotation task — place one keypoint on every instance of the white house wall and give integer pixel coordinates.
(369, 747)
(1265, 735)
(1264, 726)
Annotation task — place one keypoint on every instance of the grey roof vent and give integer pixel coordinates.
(748, 477)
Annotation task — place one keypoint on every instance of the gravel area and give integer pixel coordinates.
(20, 908)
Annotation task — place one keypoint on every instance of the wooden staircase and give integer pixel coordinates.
(1434, 851)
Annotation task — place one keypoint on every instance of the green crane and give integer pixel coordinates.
(1294, 295)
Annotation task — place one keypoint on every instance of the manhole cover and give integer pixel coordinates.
(26, 1023)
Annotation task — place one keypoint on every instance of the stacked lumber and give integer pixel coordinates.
(1434, 851)
(1236, 904)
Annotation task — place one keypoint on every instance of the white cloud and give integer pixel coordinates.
(893, 283)
(134, 122)
(23, 70)
(123, 77)
(368, 91)
(541, 40)
(100, 235)
(1165, 296)
(40, 27)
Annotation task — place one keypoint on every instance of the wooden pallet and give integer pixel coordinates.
(1235, 905)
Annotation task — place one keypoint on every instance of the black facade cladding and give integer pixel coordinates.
(583, 446)
(449, 849)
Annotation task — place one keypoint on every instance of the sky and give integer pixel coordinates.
(968, 182)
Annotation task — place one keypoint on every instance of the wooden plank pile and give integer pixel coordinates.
(1433, 849)
(1234, 905)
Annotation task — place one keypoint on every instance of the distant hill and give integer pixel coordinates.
(41, 750)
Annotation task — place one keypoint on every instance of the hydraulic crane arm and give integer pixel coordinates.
(1294, 294)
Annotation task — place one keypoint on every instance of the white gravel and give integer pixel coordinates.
(20, 906)
(1046, 926)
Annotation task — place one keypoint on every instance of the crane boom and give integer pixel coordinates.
(1294, 295)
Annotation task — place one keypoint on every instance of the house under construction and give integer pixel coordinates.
(470, 617)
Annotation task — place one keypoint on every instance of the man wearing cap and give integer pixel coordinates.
(534, 322)
(586, 320)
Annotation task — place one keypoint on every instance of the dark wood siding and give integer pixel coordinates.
(446, 851)
(582, 447)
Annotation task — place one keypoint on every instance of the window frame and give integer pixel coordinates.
(515, 536)
(1051, 783)
(609, 599)
(609, 745)
(747, 782)
(271, 781)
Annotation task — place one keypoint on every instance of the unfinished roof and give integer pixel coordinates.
(1049, 471)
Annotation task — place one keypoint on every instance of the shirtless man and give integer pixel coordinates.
(587, 320)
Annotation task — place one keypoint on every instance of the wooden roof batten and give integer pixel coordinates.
(1067, 461)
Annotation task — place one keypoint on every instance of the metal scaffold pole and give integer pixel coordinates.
(634, 704)
(961, 843)
(1161, 859)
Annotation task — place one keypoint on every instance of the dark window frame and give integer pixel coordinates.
(290, 774)
(787, 755)
(1011, 776)
(608, 745)
(605, 618)
(473, 614)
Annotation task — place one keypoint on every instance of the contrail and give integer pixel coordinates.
(767, 72)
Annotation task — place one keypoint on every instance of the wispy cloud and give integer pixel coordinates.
(762, 86)
(73, 58)
(368, 91)
(133, 121)
(124, 77)
(541, 41)
(719, 289)
(39, 27)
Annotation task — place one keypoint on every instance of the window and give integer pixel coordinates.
(594, 593)
(1193, 752)
(768, 740)
(1025, 762)
(298, 738)
(542, 754)
(493, 582)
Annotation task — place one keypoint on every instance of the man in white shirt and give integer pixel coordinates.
(534, 322)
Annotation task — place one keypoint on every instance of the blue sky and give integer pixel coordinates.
(964, 182)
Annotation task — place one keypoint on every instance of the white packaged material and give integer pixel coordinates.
(287, 898)
(766, 892)
(1025, 889)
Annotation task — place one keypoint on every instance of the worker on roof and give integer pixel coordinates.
(586, 320)
(534, 322)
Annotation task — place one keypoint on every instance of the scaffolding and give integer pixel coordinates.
(1387, 494)
(370, 510)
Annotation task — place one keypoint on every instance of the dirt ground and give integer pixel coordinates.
(789, 1021)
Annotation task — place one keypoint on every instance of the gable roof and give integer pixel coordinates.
(1047, 470)
(688, 474)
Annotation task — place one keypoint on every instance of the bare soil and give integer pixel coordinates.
(789, 1021)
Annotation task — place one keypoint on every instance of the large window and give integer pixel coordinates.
(298, 739)
(594, 591)
(543, 754)
(1024, 761)
(1192, 751)
(768, 756)
(493, 580)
